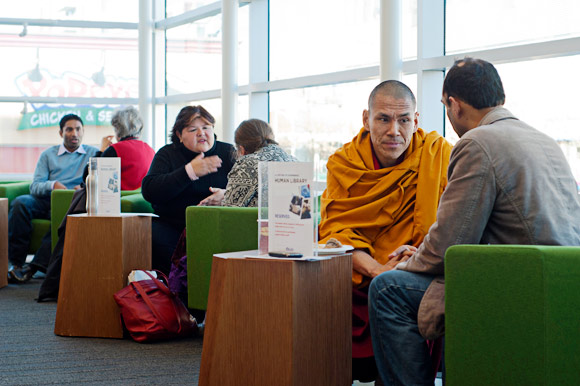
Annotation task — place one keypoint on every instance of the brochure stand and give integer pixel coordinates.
(287, 209)
(108, 186)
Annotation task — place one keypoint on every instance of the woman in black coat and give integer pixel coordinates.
(182, 174)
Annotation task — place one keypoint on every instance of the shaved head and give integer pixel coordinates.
(395, 89)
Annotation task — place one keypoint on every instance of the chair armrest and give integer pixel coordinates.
(511, 314)
(130, 192)
(211, 230)
(135, 203)
(60, 200)
(11, 190)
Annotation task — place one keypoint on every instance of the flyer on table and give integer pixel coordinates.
(290, 223)
(109, 181)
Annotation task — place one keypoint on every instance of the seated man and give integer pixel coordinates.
(59, 167)
(382, 192)
(508, 184)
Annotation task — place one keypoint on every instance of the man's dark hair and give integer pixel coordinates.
(396, 89)
(68, 117)
(475, 82)
(186, 116)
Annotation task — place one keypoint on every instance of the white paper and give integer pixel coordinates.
(109, 176)
(290, 222)
(137, 275)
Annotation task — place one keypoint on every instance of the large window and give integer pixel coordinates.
(194, 56)
(503, 23)
(306, 66)
(314, 37)
(56, 70)
(101, 10)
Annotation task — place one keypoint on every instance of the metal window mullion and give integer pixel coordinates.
(430, 43)
(259, 59)
(69, 23)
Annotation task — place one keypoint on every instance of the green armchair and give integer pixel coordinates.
(135, 203)
(211, 230)
(60, 201)
(512, 315)
(11, 190)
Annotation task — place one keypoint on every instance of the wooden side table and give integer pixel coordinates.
(278, 322)
(3, 242)
(99, 253)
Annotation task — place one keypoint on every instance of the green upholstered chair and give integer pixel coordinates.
(211, 230)
(135, 203)
(512, 315)
(130, 192)
(11, 190)
(60, 201)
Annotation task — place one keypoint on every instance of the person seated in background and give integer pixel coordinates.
(255, 143)
(508, 184)
(382, 191)
(59, 167)
(136, 157)
(181, 175)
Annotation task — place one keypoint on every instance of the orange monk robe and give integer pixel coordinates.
(380, 210)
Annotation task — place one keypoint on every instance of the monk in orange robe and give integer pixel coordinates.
(382, 192)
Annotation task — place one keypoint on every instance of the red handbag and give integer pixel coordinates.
(150, 311)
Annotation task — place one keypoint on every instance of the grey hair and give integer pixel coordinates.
(127, 122)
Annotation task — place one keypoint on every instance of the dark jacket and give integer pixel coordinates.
(170, 190)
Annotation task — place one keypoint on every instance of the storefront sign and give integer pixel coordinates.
(50, 117)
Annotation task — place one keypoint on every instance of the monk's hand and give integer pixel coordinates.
(215, 199)
(403, 253)
(404, 250)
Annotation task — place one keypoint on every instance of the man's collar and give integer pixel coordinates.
(498, 113)
(62, 150)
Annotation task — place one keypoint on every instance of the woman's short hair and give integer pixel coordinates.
(127, 122)
(184, 118)
(254, 134)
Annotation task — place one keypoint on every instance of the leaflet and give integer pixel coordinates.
(290, 218)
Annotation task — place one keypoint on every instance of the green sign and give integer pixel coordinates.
(91, 116)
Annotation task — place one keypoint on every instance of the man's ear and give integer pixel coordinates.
(416, 122)
(366, 120)
(60, 133)
(456, 106)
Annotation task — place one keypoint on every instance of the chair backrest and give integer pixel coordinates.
(135, 203)
(212, 230)
(60, 201)
(512, 314)
(11, 190)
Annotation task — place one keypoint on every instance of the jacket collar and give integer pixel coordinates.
(499, 113)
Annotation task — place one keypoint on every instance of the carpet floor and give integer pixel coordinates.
(30, 353)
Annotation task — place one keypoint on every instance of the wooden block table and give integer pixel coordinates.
(3, 242)
(99, 253)
(278, 322)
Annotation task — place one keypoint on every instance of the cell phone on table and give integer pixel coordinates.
(285, 254)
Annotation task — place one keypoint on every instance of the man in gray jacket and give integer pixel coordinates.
(508, 184)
